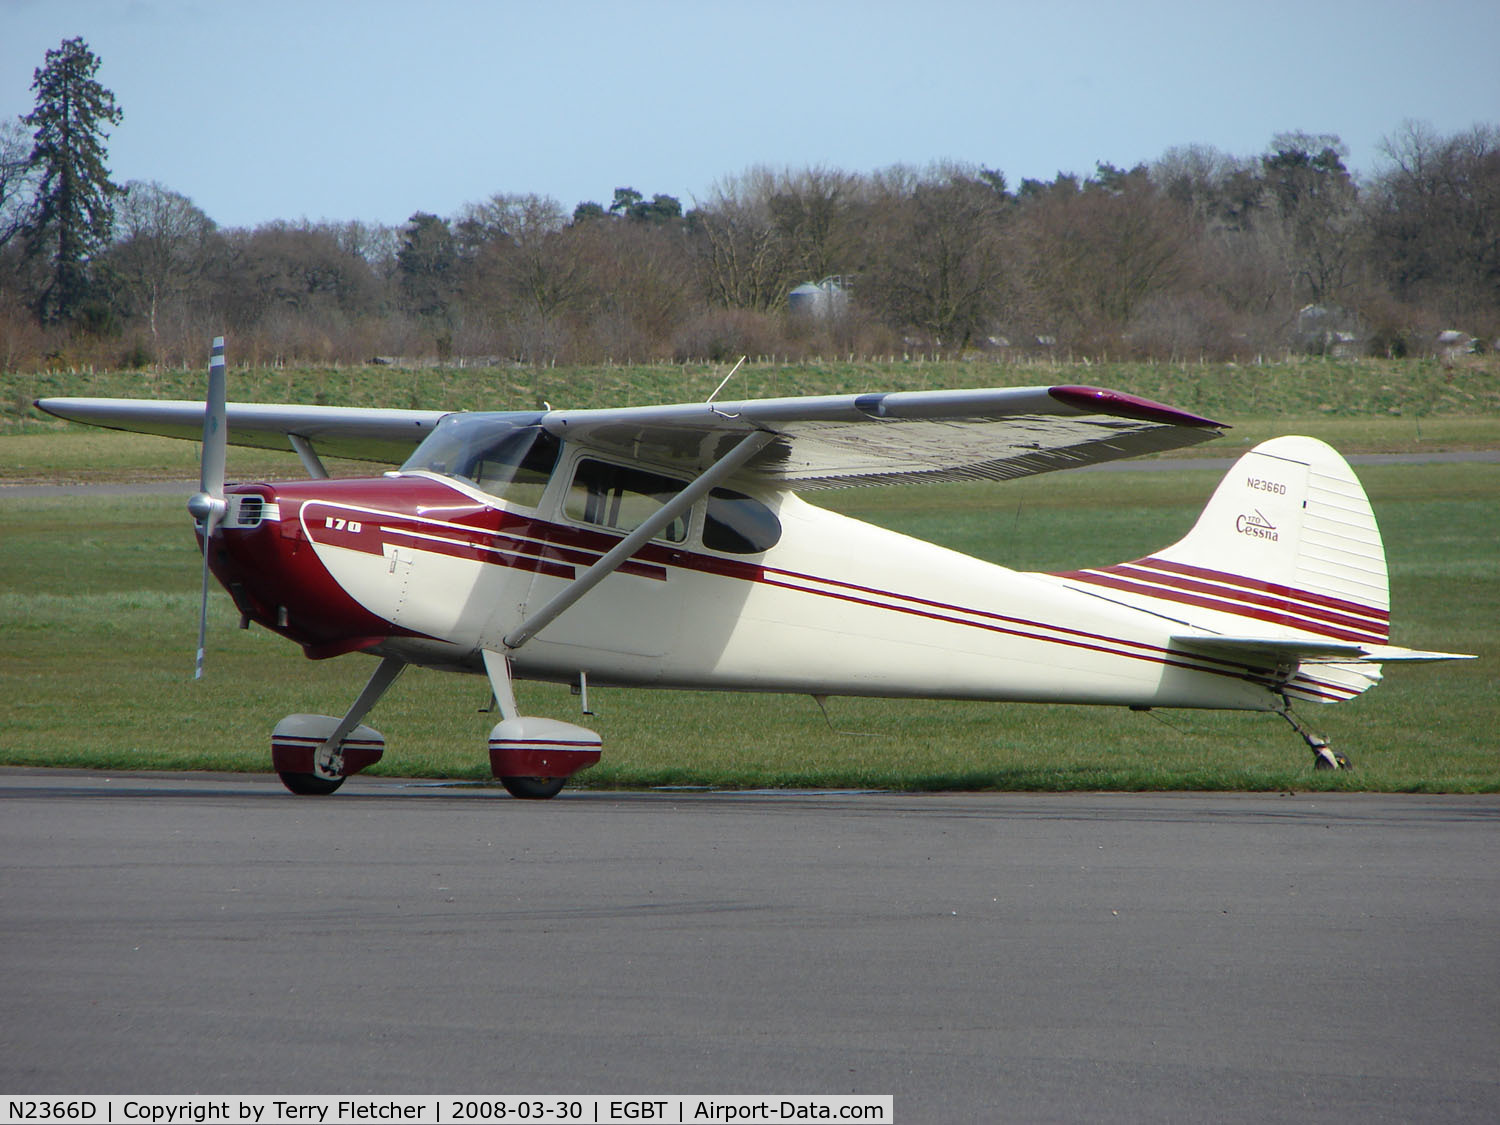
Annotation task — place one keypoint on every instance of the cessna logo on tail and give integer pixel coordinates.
(1256, 526)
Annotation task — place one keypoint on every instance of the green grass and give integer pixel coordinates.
(98, 609)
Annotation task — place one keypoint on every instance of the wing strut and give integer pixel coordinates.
(311, 462)
(748, 446)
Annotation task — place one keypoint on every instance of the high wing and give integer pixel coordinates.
(337, 431)
(843, 440)
(816, 442)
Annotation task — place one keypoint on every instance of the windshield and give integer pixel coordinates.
(503, 454)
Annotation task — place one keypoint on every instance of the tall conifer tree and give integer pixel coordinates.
(73, 214)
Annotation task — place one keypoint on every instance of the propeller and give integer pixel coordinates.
(207, 506)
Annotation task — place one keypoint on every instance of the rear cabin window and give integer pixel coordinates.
(622, 499)
(739, 524)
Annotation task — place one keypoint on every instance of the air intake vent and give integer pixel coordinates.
(245, 511)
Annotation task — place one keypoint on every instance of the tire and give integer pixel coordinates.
(534, 788)
(310, 784)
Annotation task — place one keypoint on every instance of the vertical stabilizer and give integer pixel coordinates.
(1286, 549)
(1292, 518)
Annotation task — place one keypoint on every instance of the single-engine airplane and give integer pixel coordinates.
(669, 546)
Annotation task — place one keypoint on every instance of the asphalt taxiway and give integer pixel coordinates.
(980, 957)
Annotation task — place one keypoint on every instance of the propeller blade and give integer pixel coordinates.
(207, 506)
(202, 617)
(211, 473)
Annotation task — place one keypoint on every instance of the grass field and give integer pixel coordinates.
(98, 607)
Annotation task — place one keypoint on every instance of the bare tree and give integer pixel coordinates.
(641, 286)
(1316, 201)
(516, 255)
(18, 180)
(162, 248)
(376, 243)
(744, 261)
(812, 210)
(1435, 220)
(295, 279)
(1203, 180)
(937, 252)
(1094, 255)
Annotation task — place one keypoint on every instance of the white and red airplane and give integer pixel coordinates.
(668, 546)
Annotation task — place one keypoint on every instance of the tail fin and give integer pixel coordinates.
(1284, 569)
(1290, 543)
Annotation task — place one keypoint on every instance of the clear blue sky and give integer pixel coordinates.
(292, 109)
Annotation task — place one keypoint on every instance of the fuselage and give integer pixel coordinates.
(436, 570)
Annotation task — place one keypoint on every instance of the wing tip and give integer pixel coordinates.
(1101, 400)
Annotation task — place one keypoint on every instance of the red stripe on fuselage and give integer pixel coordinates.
(369, 529)
(1290, 592)
(1223, 605)
(1265, 601)
(1257, 600)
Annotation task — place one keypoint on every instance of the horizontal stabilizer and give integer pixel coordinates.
(1277, 651)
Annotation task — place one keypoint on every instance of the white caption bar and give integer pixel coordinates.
(473, 1109)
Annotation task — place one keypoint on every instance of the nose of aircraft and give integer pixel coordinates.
(263, 557)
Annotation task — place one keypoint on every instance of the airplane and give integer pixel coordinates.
(670, 546)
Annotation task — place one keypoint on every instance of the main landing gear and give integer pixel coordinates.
(313, 754)
(1324, 756)
(532, 757)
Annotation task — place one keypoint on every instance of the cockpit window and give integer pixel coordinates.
(621, 498)
(739, 524)
(504, 457)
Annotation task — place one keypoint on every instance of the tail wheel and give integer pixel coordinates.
(310, 784)
(534, 788)
(1326, 759)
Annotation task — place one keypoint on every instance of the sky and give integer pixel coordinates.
(372, 110)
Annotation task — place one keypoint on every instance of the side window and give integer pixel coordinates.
(622, 499)
(739, 524)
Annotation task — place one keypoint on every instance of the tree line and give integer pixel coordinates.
(1197, 253)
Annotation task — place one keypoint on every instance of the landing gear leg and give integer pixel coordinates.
(532, 757)
(1324, 756)
(296, 734)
